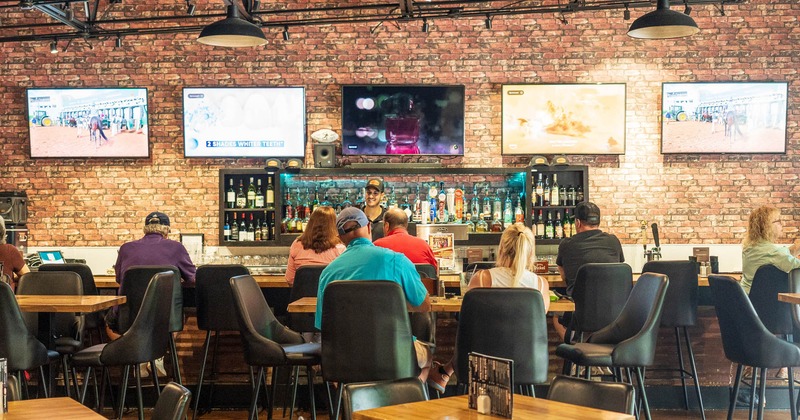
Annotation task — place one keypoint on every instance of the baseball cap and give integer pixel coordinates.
(588, 212)
(157, 218)
(376, 183)
(350, 214)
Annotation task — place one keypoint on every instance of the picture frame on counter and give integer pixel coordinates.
(193, 242)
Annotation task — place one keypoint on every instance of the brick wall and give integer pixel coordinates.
(94, 202)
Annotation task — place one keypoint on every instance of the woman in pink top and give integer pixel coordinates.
(319, 243)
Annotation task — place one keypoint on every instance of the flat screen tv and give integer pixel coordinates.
(402, 120)
(573, 119)
(88, 122)
(244, 122)
(729, 117)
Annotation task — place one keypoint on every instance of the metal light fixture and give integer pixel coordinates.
(54, 47)
(118, 42)
(190, 8)
(233, 31)
(425, 26)
(286, 33)
(488, 21)
(626, 15)
(663, 23)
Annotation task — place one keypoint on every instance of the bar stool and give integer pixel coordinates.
(680, 313)
(214, 312)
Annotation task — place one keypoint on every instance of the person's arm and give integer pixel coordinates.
(562, 273)
(185, 265)
(482, 278)
(544, 288)
(425, 306)
(21, 271)
(291, 265)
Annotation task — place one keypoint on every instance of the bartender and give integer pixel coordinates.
(373, 196)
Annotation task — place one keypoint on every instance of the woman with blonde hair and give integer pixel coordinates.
(516, 257)
(764, 228)
(318, 245)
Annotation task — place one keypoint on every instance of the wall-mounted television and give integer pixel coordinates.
(244, 122)
(724, 117)
(88, 122)
(402, 120)
(574, 119)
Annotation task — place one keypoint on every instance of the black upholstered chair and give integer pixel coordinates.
(172, 403)
(610, 396)
(94, 320)
(794, 287)
(427, 270)
(214, 311)
(366, 335)
(775, 315)
(134, 284)
(508, 323)
(306, 283)
(145, 340)
(267, 343)
(66, 329)
(600, 292)
(14, 391)
(680, 313)
(18, 346)
(367, 395)
(630, 341)
(748, 342)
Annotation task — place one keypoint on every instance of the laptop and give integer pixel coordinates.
(51, 257)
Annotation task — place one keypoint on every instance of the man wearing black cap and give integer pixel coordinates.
(373, 196)
(588, 245)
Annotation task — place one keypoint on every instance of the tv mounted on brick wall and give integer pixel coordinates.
(402, 120)
(244, 122)
(572, 119)
(735, 117)
(88, 122)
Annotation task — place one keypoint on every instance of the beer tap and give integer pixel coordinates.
(656, 252)
(644, 239)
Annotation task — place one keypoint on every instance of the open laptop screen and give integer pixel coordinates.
(51, 257)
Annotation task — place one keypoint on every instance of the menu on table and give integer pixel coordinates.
(495, 376)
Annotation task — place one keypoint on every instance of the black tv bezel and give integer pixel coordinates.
(305, 122)
(463, 122)
(27, 121)
(624, 120)
(735, 82)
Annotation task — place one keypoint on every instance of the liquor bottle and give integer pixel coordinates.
(508, 211)
(555, 193)
(241, 198)
(540, 226)
(546, 195)
(496, 225)
(345, 202)
(259, 196)
(315, 203)
(519, 214)
(234, 229)
(567, 224)
(230, 196)
(251, 194)
(481, 226)
(572, 227)
(304, 220)
(441, 210)
(539, 189)
(470, 225)
(257, 230)
(570, 196)
(458, 195)
(288, 213)
(497, 208)
(548, 226)
(243, 230)
(270, 204)
(226, 229)
(265, 228)
(417, 207)
(579, 194)
(360, 198)
(563, 197)
(487, 204)
(433, 195)
(475, 204)
(406, 207)
(558, 230)
(392, 201)
(251, 230)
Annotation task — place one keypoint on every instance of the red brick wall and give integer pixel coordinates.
(80, 202)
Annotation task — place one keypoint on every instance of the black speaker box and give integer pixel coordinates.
(14, 207)
(324, 155)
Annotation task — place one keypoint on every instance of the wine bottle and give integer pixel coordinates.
(579, 194)
(226, 230)
(558, 230)
(251, 194)
(555, 193)
(546, 195)
(548, 226)
(251, 231)
(567, 224)
(265, 228)
(570, 196)
(230, 195)
(241, 198)
(270, 204)
(539, 189)
(234, 229)
(259, 196)
(540, 226)
(243, 230)
(315, 203)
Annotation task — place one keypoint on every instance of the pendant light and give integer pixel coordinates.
(233, 31)
(663, 23)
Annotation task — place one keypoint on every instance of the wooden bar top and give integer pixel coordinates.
(455, 408)
(68, 304)
(789, 297)
(555, 279)
(49, 408)
(309, 305)
(265, 281)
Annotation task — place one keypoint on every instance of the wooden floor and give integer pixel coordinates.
(657, 415)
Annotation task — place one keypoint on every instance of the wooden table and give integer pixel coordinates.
(78, 304)
(789, 297)
(49, 408)
(454, 408)
(265, 281)
(309, 305)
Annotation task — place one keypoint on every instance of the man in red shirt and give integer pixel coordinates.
(395, 224)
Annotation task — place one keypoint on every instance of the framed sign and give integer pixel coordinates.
(193, 242)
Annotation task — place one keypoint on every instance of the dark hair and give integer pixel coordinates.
(320, 234)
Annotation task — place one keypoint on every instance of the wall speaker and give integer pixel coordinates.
(324, 155)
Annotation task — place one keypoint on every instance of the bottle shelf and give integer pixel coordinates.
(249, 209)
